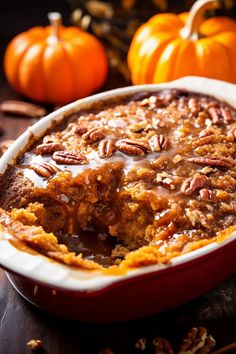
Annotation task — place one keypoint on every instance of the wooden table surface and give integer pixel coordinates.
(20, 321)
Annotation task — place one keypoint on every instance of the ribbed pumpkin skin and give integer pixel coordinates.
(55, 72)
(158, 53)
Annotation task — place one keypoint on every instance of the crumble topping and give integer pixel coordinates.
(130, 182)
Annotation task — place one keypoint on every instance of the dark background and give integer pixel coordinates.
(20, 321)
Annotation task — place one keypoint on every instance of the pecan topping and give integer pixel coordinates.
(197, 217)
(206, 132)
(133, 147)
(48, 148)
(226, 115)
(45, 169)
(208, 195)
(210, 139)
(158, 142)
(194, 106)
(166, 180)
(195, 340)
(50, 139)
(216, 114)
(106, 148)
(93, 135)
(212, 161)
(69, 158)
(4, 145)
(21, 108)
(193, 183)
(232, 131)
(152, 102)
(138, 127)
(80, 129)
(162, 346)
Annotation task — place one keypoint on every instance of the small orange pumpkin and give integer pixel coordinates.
(170, 46)
(55, 64)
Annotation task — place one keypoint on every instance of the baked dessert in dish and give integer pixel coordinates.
(130, 182)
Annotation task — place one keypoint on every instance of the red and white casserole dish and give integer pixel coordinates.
(93, 296)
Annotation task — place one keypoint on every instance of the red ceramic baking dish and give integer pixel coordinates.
(93, 296)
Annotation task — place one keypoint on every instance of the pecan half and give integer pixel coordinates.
(152, 102)
(193, 183)
(106, 351)
(194, 341)
(162, 346)
(93, 135)
(4, 145)
(158, 142)
(35, 344)
(50, 139)
(226, 115)
(69, 158)
(209, 344)
(212, 161)
(24, 109)
(197, 217)
(229, 208)
(216, 114)
(48, 148)
(106, 148)
(232, 131)
(133, 147)
(208, 195)
(194, 106)
(141, 344)
(80, 129)
(45, 169)
(210, 139)
(138, 127)
(206, 132)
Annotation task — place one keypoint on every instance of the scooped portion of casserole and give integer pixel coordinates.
(131, 181)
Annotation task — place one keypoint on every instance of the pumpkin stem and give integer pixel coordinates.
(55, 22)
(190, 31)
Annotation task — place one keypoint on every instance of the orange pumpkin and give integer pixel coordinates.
(55, 64)
(170, 46)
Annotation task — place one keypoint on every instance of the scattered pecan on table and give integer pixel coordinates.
(162, 346)
(4, 145)
(197, 339)
(141, 344)
(21, 108)
(35, 344)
